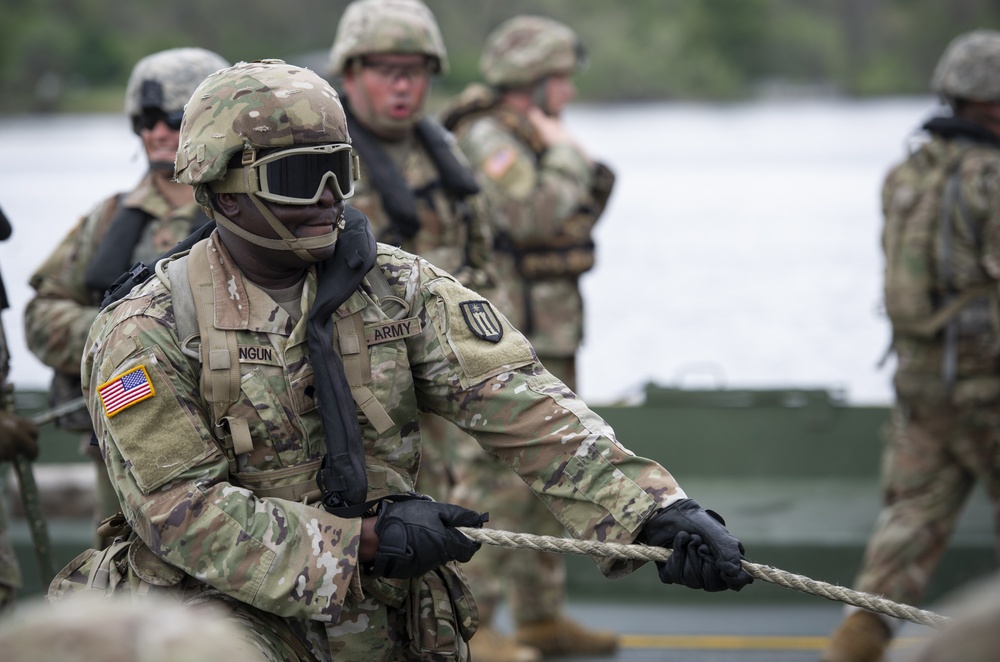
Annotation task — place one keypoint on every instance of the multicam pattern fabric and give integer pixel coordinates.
(294, 560)
(915, 285)
(967, 69)
(176, 72)
(255, 113)
(387, 26)
(454, 235)
(58, 317)
(943, 437)
(531, 197)
(525, 49)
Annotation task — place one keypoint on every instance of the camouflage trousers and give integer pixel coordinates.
(934, 454)
(456, 469)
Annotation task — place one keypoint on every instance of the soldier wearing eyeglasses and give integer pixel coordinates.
(125, 228)
(279, 483)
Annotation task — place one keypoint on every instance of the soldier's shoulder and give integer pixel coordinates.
(150, 299)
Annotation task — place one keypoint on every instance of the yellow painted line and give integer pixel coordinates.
(739, 642)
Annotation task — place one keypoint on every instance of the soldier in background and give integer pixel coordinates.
(416, 188)
(942, 269)
(18, 436)
(546, 194)
(123, 229)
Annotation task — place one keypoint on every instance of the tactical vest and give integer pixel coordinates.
(922, 299)
(398, 199)
(216, 352)
(571, 252)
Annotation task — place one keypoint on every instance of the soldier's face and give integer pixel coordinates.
(160, 142)
(389, 87)
(303, 221)
(559, 91)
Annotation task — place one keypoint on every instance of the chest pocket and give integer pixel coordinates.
(217, 350)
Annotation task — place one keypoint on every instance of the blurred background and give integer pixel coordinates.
(61, 55)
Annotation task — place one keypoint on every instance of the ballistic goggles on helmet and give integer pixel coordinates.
(295, 176)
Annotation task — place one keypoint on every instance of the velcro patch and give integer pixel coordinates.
(395, 330)
(482, 320)
(127, 389)
(258, 354)
(499, 162)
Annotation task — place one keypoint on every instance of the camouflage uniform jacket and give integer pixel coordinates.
(944, 268)
(534, 192)
(59, 316)
(454, 234)
(176, 482)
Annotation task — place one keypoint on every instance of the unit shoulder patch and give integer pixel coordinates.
(482, 320)
(127, 389)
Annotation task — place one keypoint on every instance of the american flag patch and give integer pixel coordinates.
(125, 390)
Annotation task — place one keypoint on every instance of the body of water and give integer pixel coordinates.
(740, 247)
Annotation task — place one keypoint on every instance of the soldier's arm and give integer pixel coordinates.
(58, 317)
(173, 481)
(497, 391)
(533, 200)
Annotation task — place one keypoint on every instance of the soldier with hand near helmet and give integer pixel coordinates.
(123, 229)
(942, 273)
(546, 194)
(266, 461)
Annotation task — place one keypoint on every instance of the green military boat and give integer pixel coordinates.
(793, 470)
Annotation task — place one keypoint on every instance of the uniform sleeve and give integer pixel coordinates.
(495, 389)
(58, 318)
(174, 485)
(531, 199)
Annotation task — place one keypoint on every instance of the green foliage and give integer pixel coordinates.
(56, 54)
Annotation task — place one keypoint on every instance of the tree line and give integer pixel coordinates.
(65, 55)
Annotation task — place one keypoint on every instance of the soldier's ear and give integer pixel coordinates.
(227, 204)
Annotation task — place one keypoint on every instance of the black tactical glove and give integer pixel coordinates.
(417, 536)
(706, 555)
(18, 436)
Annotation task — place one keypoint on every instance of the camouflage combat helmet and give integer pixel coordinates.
(969, 69)
(165, 80)
(249, 105)
(259, 110)
(369, 27)
(525, 49)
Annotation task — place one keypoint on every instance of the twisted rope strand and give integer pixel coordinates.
(763, 572)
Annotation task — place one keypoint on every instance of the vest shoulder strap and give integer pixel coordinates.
(217, 351)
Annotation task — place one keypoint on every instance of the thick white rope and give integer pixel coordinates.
(763, 572)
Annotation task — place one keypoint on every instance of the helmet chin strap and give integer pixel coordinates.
(287, 242)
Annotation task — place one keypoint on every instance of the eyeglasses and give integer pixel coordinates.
(294, 176)
(149, 117)
(395, 72)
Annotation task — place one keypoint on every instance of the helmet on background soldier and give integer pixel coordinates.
(245, 122)
(163, 82)
(526, 49)
(371, 27)
(120, 630)
(969, 69)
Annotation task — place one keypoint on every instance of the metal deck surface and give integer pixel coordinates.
(698, 633)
